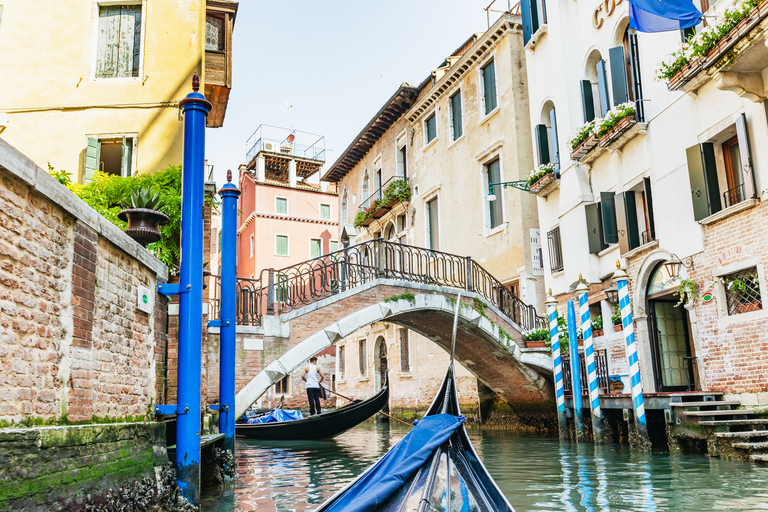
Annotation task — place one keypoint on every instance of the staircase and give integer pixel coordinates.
(735, 430)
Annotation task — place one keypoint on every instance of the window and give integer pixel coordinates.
(377, 183)
(534, 14)
(119, 40)
(315, 248)
(555, 250)
(112, 155)
(548, 149)
(252, 246)
(281, 388)
(735, 175)
(341, 361)
(281, 205)
(344, 209)
(365, 186)
(430, 129)
(433, 228)
(325, 211)
(405, 351)
(495, 211)
(456, 126)
(402, 161)
(334, 245)
(283, 292)
(363, 359)
(281, 245)
(625, 218)
(214, 33)
(488, 79)
(401, 223)
(742, 291)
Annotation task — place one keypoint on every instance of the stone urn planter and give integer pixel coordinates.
(143, 224)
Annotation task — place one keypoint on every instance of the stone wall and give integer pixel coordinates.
(73, 343)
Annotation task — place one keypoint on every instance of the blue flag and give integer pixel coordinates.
(662, 15)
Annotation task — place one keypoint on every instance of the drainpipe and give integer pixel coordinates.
(557, 364)
(228, 310)
(589, 356)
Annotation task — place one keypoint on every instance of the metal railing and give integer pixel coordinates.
(312, 152)
(378, 192)
(601, 366)
(280, 291)
(734, 196)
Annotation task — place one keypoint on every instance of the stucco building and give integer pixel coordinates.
(430, 154)
(677, 175)
(101, 84)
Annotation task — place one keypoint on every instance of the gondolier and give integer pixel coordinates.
(312, 375)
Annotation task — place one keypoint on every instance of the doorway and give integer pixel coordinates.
(382, 368)
(670, 334)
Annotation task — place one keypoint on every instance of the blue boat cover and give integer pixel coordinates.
(276, 416)
(398, 465)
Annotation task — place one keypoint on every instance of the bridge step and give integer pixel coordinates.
(751, 446)
(705, 404)
(731, 412)
(748, 433)
(759, 457)
(711, 423)
(693, 395)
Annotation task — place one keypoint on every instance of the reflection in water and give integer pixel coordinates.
(536, 474)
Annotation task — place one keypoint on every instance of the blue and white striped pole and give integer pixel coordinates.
(557, 364)
(578, 404)
(589, 356)
(634, 368)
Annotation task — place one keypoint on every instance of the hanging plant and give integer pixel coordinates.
(687, 291)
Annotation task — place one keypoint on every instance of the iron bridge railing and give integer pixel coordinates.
(279, 291)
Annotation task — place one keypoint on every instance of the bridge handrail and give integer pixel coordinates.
(295, 286)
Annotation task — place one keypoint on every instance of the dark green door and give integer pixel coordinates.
(672, 353)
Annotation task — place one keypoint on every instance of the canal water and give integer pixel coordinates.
(535, 474)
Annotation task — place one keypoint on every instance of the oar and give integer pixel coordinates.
(385, 414)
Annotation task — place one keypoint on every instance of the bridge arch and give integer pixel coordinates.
(487, 342)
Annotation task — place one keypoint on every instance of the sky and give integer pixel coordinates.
(335, 61)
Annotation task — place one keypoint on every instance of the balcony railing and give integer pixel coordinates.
(378, 192)
(734, 196)
(601, 365)
(284, 290)
(313, 152)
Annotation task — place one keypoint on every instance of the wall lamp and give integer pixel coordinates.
(673, 264)
(612, 294)
(520, 185)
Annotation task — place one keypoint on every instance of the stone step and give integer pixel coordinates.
(715, 423)
(752, 446)
(705, 404)
(694, 394)
(748, 433)
(732, 412)
(760, 457)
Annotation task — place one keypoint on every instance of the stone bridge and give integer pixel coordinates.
(308, 307)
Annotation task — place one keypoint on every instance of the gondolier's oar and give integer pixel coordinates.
(352, 400)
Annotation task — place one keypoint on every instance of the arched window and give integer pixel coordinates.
(365, 187)
(595, 97)
(547, 147)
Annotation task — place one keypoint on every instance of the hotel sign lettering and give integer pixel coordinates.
(604, 10)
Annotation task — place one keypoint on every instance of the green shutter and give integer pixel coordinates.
(125, 162)
(626, 221)
(618, 75)
(489, 86)
(325, 211)
(602, 85)
(315, 248)
(431, 127)
(608, 211)
(587, 101)
(334, 246)
(555, 148)
(534, 16)
(525, 12)
(281, 245)
(456, 115)
(92, 159)
(702, 174)
(593, 228)
(107, 44)
(281, 205)
(129, 41)
(649, 206)
(746, 157)
(495, 211)
(542, 143)
(432, 225)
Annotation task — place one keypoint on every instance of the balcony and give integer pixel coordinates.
(384, 197)
(279, 146)
(219, 23)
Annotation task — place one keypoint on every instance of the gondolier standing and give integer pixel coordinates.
(312, 375)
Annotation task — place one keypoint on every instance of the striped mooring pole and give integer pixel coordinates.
(557, 363)
(589, 356)
(638, 405)
(578, 404)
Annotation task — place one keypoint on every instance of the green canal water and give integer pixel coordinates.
(535, 474)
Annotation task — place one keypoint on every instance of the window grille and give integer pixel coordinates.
(742, 291)
(555, 250)
(405, 357)
(281, 388)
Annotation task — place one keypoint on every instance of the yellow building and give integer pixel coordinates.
(90, 85)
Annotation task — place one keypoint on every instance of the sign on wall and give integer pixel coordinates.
(144, 300)
(536, 256)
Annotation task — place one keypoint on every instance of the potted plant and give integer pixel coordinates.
(143, 217)
(597, 326)
(742, 287)
(687, 291)
(616, 318)
(540, 177)
(537, 338)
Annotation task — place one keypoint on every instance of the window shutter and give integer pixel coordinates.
(608, 209)
(637, 82)
(315, 248)
(534, 16)
(602, 85)
(456, 112)
(109, 33)
(593, 228)
(92, 159)
(129, 39)
(542, 143)
(489, 86)
(618, 75)
(587, 101)
(746, 157)
(125, 161)
(630, 217)
(649, 205)
(525, 11)
(703, 177)
(495, 207)
(555, 148)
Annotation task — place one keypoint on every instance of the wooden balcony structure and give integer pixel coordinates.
(219, 23)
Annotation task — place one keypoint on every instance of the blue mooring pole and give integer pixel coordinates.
(578, 405)
(229, 194)
(195, 109)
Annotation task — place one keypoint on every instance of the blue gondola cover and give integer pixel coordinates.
(276, 416)
(398, 465)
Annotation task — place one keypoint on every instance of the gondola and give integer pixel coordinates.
(321, 426)
(434, 468)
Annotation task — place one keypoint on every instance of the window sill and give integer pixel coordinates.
(641, 249)
(498, 229)
(489, 115)
(536, 37)
(743, 317)
(454, 141)
(283, 255)
(429, 144)
(118, 79)
(403, 375)
(363, 379)
(728, 212)
(608, 249)
(558, 273)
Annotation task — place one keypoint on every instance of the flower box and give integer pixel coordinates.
(615, 132)
(381, 211)
(367, 221)
(749, 306)
(542, 182)
(536, 344)
(584, 148)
